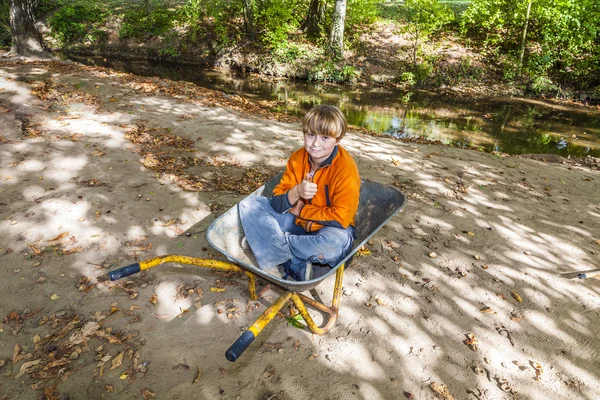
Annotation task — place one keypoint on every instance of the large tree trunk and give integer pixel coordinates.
(313, 24)
(336, 40)
(26, 38)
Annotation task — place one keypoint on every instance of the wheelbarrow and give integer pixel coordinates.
(378, 204)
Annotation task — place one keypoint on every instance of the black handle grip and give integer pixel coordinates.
(124, 271)
(240, 345)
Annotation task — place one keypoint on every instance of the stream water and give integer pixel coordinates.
(515, 126)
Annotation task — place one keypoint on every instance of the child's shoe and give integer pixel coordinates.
(299, 271)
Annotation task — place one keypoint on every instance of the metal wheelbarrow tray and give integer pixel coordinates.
(378, 204)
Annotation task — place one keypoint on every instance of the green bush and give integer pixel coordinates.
(542, 85)
(137, 23)
(274, 19)
(72, 22)
(328, 71)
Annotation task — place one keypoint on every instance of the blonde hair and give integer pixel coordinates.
(326, 121)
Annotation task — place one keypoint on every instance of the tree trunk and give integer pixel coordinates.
(26, 38)
(147, 7)
(416, 45)
(313, 24)
(249, 19)
(524, 38)
(336, 40)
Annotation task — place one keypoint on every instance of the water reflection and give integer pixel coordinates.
(514, 127)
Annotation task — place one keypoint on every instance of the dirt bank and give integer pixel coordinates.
(461, 293)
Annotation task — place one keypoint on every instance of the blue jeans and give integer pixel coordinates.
(274, 238)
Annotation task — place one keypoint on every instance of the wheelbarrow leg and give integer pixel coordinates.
(242, 343)
(300, 299)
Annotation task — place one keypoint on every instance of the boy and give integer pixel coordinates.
(310, 218)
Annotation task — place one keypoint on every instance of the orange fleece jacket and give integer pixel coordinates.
(338, 190)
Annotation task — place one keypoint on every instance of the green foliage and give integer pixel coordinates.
(328, 71)
(422, 72)
(408, 78)
(137, 23)
(74, 21)
(562, 36)
(5, 37)
(360, 13)
(274, 19)
(212, 17)
(425, 17)
(48, 6)
(287, 52)
(543, 85)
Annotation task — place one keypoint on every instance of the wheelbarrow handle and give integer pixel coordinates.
(124, 271)
(240, 345)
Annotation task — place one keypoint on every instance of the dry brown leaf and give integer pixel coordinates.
(73, 250)
(16, 351)
(108, 388)
(117, 361)
(597, 241)
(146, 394)
(442, 390)
(59, 236)
(154, 299)
(471, 341)
(27, 368)
(488, 310)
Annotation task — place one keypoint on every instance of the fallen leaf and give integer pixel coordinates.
(597, 241)
(27, 368)
(108, 388)
(470, 234)
(124, 376)
(154, 299)
(16, 351)
(117, 361)
(516, 296)
(442, 390)
(73, 250)
(432, 255)
(58, 237)
(488, 310)
(198, 376)
(146, 394)
(54, 297)
(363, 251)
(217, 289)
(471, 341)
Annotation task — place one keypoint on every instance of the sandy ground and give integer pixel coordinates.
(461, 296)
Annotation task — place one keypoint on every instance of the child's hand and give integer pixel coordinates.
(297, 208)
(307, 190)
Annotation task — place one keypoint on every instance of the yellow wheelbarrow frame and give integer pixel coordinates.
(378, 204)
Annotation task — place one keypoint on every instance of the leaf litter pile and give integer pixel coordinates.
(171, 156)
(53, 357)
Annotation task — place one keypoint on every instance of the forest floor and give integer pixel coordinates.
(461, 295)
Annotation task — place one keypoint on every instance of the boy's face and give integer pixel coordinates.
(319, 147)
